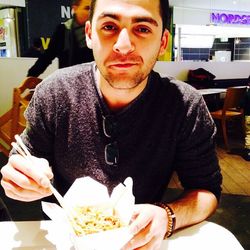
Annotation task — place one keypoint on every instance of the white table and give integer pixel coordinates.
(43, 235)
(213, 97)
(211, 91)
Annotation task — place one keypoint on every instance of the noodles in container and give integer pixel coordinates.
(96, 220)
(91, 219)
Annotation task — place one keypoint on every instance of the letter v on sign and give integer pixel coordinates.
(45, 42)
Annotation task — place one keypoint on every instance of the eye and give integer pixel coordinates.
(143, 30)
(109, 27)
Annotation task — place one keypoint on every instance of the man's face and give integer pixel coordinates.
(126, 38)
(81, 11)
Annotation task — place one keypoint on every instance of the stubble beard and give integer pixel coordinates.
(124, 82)
(127, 81)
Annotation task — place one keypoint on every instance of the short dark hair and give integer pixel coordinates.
(164, 12)
(76, 2)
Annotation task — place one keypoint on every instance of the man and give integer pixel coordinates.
(67, 42)
(117, 118)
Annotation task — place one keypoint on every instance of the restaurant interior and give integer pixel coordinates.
(209, 48)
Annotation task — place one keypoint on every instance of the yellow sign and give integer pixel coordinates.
(45, 42)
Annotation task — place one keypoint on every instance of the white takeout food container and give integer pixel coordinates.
(86, 192)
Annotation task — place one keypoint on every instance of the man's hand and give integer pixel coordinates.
(149, 225)
(25, 180)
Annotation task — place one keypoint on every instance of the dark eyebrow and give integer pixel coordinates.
(138, 19)
(107, 14)
(145, 19)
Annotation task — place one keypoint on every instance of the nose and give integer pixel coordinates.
(123, 44)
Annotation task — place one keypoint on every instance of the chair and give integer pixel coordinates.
(13, 121)
(231, 110)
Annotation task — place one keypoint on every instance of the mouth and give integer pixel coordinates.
(122, 65)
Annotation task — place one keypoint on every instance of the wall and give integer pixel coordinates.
(12, 72)
(191, 16)
(222, 70)
(43, 17)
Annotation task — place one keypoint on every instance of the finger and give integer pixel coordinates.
(17, 193)
(140, 222)
(26, 197)
(29, 169)
(137, 210)
(44, 165)
(154, 244)
(140, 239)
(10, 174)
(9, 185)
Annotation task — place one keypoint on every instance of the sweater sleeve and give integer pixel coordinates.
(197, 162)
(55, 46)
(39, 132)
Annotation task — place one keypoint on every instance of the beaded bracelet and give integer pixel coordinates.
(171, 219)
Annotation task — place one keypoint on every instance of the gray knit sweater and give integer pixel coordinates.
(166, 128)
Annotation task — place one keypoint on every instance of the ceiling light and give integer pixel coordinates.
(8, 19)
(237, 40)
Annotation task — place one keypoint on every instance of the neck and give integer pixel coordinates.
(117, 99)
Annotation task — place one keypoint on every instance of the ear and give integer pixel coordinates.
(73, 9)
(164, 42)
(88, 34)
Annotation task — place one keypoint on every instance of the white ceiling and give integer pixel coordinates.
(233, 5)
